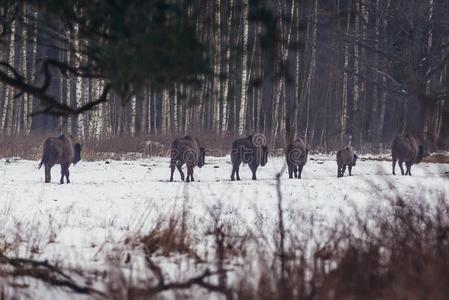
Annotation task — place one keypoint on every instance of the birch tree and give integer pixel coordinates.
(226, 100)
(344, 108)
(6, 111)
(243, 90)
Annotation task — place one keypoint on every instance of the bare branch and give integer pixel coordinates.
(199, 280)
(42, 270)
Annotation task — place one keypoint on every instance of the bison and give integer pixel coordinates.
(296, 156)
(250, 150)
(63, 150)
(186, 150)
(406, 149)
(345, 157)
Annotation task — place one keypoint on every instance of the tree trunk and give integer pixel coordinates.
(243, 91)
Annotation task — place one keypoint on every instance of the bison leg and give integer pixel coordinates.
(300, 171)
(61, 181)
(400, 166)
(67, 174)
(64, 172)
(350, 170)
(343, 169)
(47, 173)
(254, 169)
(189, 173)
(179, 167)
(408, 164)
(394, 165)
(295, 171)
(235, 171)
(172, 170)
(290, 171)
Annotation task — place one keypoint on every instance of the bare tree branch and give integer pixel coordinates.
(42, 270)
(52, 105)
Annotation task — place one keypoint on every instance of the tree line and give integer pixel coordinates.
(327, 71)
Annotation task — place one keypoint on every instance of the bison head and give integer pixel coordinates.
(202, 156)
(355, 159)
(422, 152)
(264, 156)
(77, 155)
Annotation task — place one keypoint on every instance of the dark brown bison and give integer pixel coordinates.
(186, 150)
(345, 157)
(406, 149)
(250, 150)
(296, 156)
(63, 150)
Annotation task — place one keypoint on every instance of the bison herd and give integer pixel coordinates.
(64, 150)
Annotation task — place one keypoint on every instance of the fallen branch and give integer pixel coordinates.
(44, 271)
(162, 286)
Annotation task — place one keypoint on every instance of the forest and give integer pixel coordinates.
(326, 71)
(224, 149)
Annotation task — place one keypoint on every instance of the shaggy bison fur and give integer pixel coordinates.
(346, 157)
(63, 150)
(406, 149)
(247, 150)
(187, 151)
(296, 156)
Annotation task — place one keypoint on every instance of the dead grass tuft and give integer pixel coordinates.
(437, 158)
(169, 239)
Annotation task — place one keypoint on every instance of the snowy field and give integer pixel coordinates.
(86, 224)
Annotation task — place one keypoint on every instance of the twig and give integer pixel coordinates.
(199, 280)
(42, 270)
(52, 105)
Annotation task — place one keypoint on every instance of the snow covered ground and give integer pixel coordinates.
(85, 224)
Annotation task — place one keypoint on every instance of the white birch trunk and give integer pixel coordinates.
(243, 92)
(344, 106)
(165, 112)
(78, 84)
(297, 79)
(33, 68)
(68, 83)
(356, 78)
(383, 98)
(311, 75)
(175, 108)
(132, 125)
(6, 112)
(24, 116)
(440, 107)
(224, 113)
(427, 112)
(217, 67)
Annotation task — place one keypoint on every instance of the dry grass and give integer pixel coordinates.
(401, 252)
(23, 146)
(437, 158)
(169, 239)
(432, 158)
(141, 146)
(118, 148)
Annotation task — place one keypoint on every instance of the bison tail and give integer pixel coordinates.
(44, 158)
